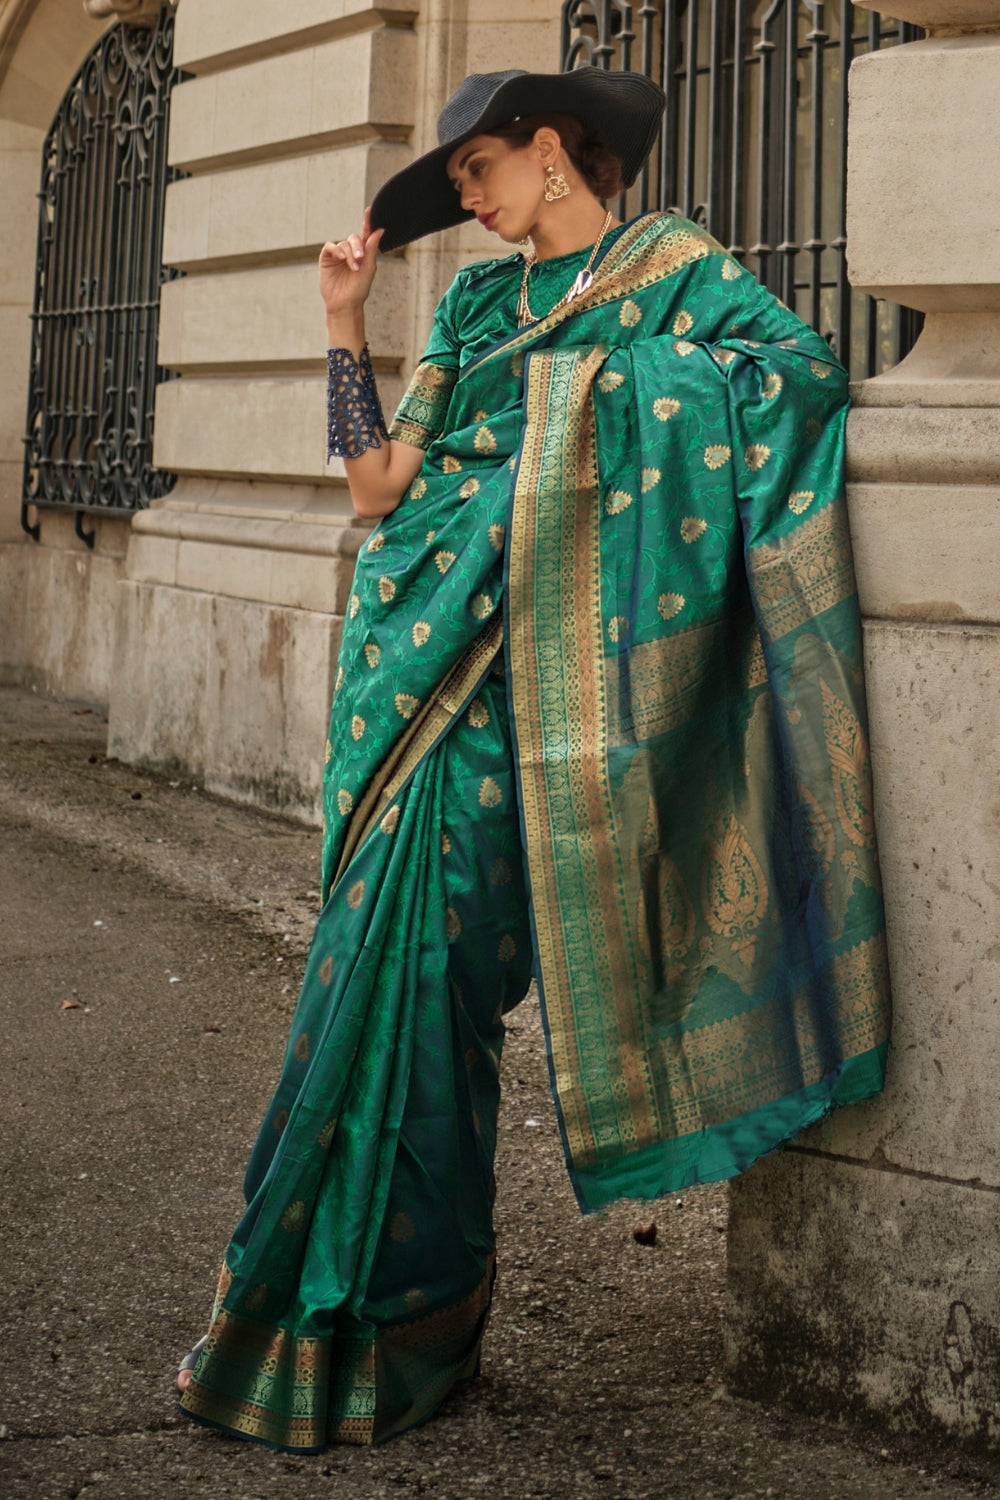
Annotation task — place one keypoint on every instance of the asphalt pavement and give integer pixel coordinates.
(151, 943)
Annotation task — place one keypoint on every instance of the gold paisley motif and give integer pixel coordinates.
(616, 501)
(507, 948)
(731, 271)
(771, 386)
(479, 714)
(800, 500)
(723, 356)
(386, 590)
(482, 606)
(630, 315)
(649, 478)
(421, 633)
(340, 680)
(345, 802)
(430, 537)
(357, 727)
(734, 891)
(469, 488)
(500, 872)
(280, 1121)
(819, 369)
(294, 1217)
(490, 794)
(692, 527)
(498, 535)
(326, 969)
(445, 844)
(401, 1228)
(617, 626)
(481, 415)
(328, 753)
(377, 542)
(354, 606)
(847, 748)
(756, 455)
(610, 381)
(373, 654)
(484, 441)
(683, 323)
(669, 605)
(390, 822)
(450, 464)
(443, 561)
(301, 1048)
(717, 455)
(406, 705)
(683, 348)
(665, 407)
(356, 895)
(452, 924)
(327, 1134)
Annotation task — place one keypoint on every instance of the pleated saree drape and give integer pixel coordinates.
(599, 713)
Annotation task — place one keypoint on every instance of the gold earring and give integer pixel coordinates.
(556, 185)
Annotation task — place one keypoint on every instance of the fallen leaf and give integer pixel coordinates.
(213, 1030)
(644, 1234)
(71, 1005)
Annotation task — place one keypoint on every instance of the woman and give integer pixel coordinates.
(603, 645)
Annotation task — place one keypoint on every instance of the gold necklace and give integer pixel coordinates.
(581, 281)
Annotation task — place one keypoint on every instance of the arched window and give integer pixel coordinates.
(89, 436)
(754, 140)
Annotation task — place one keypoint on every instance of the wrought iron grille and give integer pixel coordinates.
(89, 439)
(754, 141)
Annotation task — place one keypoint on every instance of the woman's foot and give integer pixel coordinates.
(185, 1372)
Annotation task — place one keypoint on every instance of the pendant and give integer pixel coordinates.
(584, 280)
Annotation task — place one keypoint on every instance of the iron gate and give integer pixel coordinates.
(754, 141)
(89, 437)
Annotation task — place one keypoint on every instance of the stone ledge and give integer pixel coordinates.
(269, 429)
(211, 35)
(340, 91)
(914, 564)
(925, 445)
(274, 212)
(270, 320)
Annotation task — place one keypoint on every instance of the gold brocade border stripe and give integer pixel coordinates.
(410, 433)
(586, 947)
(641, 256)
(651, 688)
(747, 1061)
(800, 575)
(425, 728)
(262, 1365)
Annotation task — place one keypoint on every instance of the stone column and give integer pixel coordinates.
(864, 1261)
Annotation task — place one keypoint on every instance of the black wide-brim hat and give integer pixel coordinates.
(623, 110)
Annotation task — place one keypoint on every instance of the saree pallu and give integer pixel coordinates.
(607, 648)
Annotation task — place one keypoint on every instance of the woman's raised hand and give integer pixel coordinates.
(347, 269)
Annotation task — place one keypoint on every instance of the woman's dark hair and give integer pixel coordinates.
(599, 168)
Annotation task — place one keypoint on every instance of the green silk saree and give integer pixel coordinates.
(599, 715)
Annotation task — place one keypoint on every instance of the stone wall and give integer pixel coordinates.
(864, 1263)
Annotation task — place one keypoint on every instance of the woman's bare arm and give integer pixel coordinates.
(379, 477)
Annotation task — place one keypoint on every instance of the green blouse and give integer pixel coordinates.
(477, 311)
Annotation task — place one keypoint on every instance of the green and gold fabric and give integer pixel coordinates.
(599, 713)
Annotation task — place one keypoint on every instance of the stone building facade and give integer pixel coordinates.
(864, 1261)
